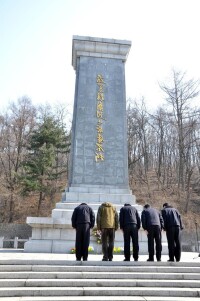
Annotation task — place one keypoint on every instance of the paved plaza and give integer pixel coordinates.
(10, 254)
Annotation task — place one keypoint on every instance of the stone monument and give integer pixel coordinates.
(98, 169)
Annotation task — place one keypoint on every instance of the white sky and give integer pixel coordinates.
(36, 44)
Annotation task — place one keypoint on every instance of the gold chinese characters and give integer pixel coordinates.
(99, 154)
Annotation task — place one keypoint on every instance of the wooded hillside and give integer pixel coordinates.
(164, 149)
(34, 149)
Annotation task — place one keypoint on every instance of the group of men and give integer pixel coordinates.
(153, 222)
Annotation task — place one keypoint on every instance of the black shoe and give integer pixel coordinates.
(135, 259)
(170, 260)
(104, 259)
(126, 259)
(110, 259)
(150, 259)
(78, 259)
(84, 259)
(158, 259)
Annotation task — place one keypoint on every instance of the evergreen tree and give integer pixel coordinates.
(43, 164)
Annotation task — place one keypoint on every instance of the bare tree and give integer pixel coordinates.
(179, 95)
(165, 144)
(16, 126)
(138, 141)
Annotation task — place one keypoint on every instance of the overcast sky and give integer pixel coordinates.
(36, 44)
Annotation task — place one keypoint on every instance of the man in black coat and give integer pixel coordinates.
(152, 222)
(83, 219)
(129, 221)
(172, 226)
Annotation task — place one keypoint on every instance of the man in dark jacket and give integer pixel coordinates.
(129, 221)
(172, 226)
(83, 220)
(107, 223)
(152, 222)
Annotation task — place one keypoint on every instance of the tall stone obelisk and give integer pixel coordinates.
(99, 131)
(98, 170)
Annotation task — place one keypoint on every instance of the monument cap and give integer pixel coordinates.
(99, 48)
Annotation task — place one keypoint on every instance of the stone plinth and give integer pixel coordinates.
(55, 234)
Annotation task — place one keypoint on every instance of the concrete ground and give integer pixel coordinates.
(19, 254)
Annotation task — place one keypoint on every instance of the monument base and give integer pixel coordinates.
(55, 234)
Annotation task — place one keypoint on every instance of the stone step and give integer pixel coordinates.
(100, 298)
(97, 265)
(82, 197)
(96, 280)
(98, 189)
(67, 212)
(93, 283)
(99, 270)
(95, 206)
(99, 275)
(99, 291)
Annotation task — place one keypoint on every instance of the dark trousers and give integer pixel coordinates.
(154, 233)
(107, 237)
(174, 243)
(82, 241)
(131, 233)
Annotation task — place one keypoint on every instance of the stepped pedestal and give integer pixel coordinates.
(55, 234)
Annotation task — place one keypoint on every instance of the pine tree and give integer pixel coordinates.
(43, 166)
